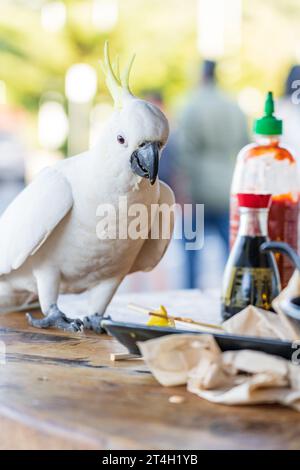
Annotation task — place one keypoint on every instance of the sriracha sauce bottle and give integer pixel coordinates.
(267, 167)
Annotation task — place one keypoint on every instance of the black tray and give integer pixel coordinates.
(129, 333)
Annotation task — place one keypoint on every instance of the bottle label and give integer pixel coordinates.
(249, 286)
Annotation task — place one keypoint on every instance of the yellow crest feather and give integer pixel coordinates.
(118, 84)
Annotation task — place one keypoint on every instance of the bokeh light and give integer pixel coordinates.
(53, 16)
(81, 83)
(105, 14)
(52, 125)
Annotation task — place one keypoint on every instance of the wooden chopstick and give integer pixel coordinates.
(123, 356)
(149, 311)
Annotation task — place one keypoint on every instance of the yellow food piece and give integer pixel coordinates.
(158, 321)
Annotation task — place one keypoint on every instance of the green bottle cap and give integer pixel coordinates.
(268, 124)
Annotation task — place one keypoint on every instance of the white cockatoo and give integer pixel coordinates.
(48, 240)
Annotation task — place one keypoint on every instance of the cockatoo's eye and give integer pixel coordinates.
(121, 139)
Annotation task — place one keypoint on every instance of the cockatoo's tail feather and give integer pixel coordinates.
(118, 84)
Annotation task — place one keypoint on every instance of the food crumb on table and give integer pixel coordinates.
(176, 399)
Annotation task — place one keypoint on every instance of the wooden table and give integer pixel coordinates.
(61, 391)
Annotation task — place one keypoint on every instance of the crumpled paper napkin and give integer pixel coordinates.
(253, 321)
(290, 291)
(230, 378)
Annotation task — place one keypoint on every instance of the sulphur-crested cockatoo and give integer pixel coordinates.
(48, 237)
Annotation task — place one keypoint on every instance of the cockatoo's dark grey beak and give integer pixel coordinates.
(144, 160)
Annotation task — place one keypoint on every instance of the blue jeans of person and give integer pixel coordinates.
(216, 222)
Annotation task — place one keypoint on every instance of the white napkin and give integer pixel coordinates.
(290, 291)
(232, 377)
(253, 321)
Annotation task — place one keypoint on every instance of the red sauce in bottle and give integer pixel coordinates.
(282, 226)
(267, 167)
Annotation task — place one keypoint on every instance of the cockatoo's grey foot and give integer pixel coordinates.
(57, 319)
(94, 322)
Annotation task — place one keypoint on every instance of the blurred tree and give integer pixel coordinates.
(162, 33)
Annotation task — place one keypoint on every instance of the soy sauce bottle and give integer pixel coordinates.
(250, 277)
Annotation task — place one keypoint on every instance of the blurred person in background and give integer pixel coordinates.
(212, 131)
(288, 109)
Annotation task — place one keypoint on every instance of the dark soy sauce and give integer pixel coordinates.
(251, 277)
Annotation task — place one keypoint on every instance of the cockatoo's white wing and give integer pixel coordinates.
(153, 249)
(31, 217)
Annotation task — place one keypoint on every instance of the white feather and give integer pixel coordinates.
(31, 217)
(153, 249)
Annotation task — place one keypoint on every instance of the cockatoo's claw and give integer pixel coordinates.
(94, 322)
(57, 319)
